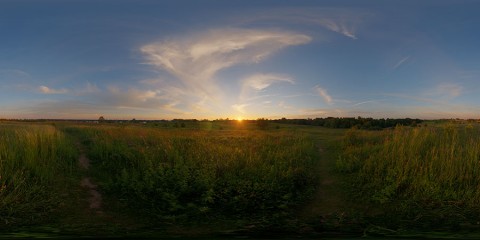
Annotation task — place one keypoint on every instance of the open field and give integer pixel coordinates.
(427, 176)
(195, 173)
(233, 179)
(33, 160)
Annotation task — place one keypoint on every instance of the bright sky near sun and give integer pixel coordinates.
(239, 59)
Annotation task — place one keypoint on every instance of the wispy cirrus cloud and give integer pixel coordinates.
(324, 94)
(141, 99)
(256, 83)
(446, 90)
(196, 59)
(284, 105)
(13, 73)
(262, 81)
(341, 25)
(341, 21)
(240, 107)
(47, 90)
(87, 90)
(417, 98)
(364, 102)
(111, 101)
(402, 61)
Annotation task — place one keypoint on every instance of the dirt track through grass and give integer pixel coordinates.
(88, 212)
(328, 199)
(329, 202)
(95, 200)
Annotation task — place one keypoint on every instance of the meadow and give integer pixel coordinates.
(212, 172)
(209, 177)
(423, 177)
(185, 173)
(33, 159)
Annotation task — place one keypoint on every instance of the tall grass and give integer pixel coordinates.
(182, 172)
(427, 165)
(31, 159)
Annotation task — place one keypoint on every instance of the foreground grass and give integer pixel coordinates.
(32, 160)
(186, 174)
(425, 177)
(210, 177)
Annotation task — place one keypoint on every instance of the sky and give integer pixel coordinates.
(239, 59)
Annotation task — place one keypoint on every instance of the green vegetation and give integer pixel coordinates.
(33, 158)
(188, 177)
(427, 177)
(349, 122)
(184, 173)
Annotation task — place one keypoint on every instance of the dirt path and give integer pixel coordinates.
(95, 200)
(328, 200)
(331, 212)
(94, 214)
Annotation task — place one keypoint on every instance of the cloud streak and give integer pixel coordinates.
(399, 63)
(47, 90)
(341, 21)
(341, 27)
(324, 94)
(256, 83)
(239, 107)
(262, 81)
(446, 90)
(196, 59)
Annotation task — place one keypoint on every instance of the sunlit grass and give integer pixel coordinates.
(426, 165)
(32, 158)
(184, 172)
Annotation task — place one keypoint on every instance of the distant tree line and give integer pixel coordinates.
(361, 123)
(263, 123)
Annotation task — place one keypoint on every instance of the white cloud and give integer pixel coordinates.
(13, 73)
(399, 63)
(196, 59)
(87, 90)
(447, 90)
(239, 107)
(256, 83)
(365, 102)
(261, 81)
(341, 21)
(282, 104)
(91, 88)
(314, 112)
(340, 26)
(47, 90)
(324, 94)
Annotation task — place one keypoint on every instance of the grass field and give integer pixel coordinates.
(200, 178)
(192, 173)
(427, 176)
(164, 174)
(33, 160)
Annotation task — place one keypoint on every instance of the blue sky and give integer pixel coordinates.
(239, 59)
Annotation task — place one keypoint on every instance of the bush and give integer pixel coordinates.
(262, 123)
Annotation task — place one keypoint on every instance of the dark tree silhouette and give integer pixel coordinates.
(262, 123)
